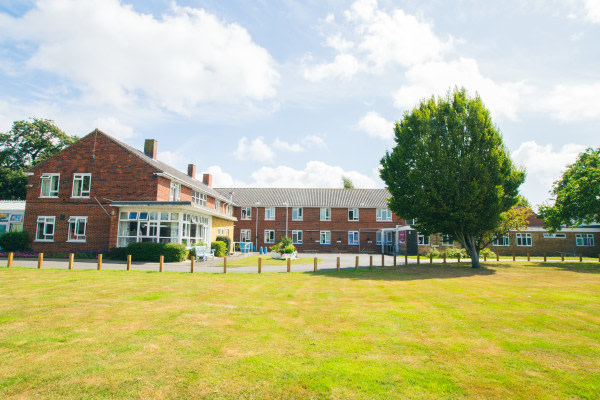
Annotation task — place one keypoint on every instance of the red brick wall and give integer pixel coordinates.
(311, 225)
(116, 175)
(550, 246)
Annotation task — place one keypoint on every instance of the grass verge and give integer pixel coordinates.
(252, 261)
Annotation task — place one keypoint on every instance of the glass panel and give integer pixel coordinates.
(132, 215)
(143, 216)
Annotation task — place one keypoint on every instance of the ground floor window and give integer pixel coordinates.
(423, 240)
(353, 238)
(245, 235)
(446, 241)
(524, 239)
(45, 229)
(325, 237)
(161, 227)
(586, 239)
(77, 229)
(297, 237)
(501, 241)
(269, 236)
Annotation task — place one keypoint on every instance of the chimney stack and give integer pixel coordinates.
(192, 170)
(207, 179)
(151, 148)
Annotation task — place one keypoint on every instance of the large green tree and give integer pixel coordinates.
(576, 194)
(25, 145)
(450, 171)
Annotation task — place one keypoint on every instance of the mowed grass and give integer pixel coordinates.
(510, 330)
(266, 260)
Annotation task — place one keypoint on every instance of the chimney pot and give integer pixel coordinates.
(192, 170)
(207, 179)
(151, 148)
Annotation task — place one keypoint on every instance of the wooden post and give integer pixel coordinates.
(599, 258)
(406, 259)
(418, 259)
(10, 258)
(40, 260)
(356, 263)
(315, 264)
(192, 262)
(395, 260)
(580, 257)
(289, 264)
(528, 258)
(497, 256)
(383, 260)
(337, 263)
(128, 262)
(259, 265)
(71, 258)
(162, 263)
(371, 262)
(514, 256)
(444, 258)
(484, 257)
(225, 264)
(458, 258)
(562, 257)
(431, 259)
(99, 262)
(544, 257)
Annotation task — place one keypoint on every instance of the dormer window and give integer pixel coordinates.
(81, 185)
(175, 191)
(50, 185)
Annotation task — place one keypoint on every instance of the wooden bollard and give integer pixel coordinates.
(225, 264)
(99, 262)
(528, 258)
(259, 265)
(315, 262)
(580, 258)
(418, 259)
(599, 258)
(562, 257)
(71, 258)
(337, 263)
(40, 260)
(395, 260)
(431, 259)
(383, 260)
(192, 266)
(162, 263)
(458, 258)
(444, 258)
(10, 258)
(484, 257)
(129, 262)
(356, 264)
(497, 257)
(289, 264)
(406, 259)
(371, 262)
(544, 257)
(514, 256)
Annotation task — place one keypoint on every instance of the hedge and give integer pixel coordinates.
(149, 251)
(219, 247)
(15, 241)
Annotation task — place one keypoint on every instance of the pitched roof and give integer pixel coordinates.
(12, 205)
(295, 197)
(174, 172)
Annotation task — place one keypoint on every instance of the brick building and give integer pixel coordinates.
(101, 193)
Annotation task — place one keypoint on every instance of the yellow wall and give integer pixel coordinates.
(221, 223)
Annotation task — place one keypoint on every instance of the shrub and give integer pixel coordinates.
(226, 240)
(488, 253)
(15, 241)
(117, 253)
(433, 252)
(285, 241)
(219, 247)
(288, 249)
(455, 252)
(149, 251)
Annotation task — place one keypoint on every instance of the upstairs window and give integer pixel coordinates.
(50, 185)
(325, 214)
(269, 213)
(77, 229)
(353, 214)
(45, 229)
(175, 191)
(199, 198)
(383, 214)
(81, 185)
(229, 209)
(246, 212)
(296, 214)
(217, 205)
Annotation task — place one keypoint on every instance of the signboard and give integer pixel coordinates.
(16, 218)
(402, 237)
(4, 217)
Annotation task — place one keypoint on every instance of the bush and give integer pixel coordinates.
(226, 240)
(454, 253)
(433, 252)
(488, 253)
(219, 247)
(288, 249)
(15, 241)
(149, 251)
(285, 242)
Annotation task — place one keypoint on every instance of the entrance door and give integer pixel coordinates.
(389, 242)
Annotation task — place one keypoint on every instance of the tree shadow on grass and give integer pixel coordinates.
(572, 266)
(409, 272)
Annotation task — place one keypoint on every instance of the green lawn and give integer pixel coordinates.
(252, 261)
(510, 330)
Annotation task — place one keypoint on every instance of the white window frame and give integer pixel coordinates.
(384, 214)
(325, 214)
(353, 238)
(269, 213)
(297, 237)
(74, 222)
(175, 191)
(325, 237)
(199, 198)
(269, 236)
(584, 239)
(501, 241)
(524, 240)
(245, 235)
(297, 214)
(85, 194)
(423, 240)
(49, 178)
(218, 205)
(554, 236)
(446, 241)
(229, 209)
(354, 213)
(378, 237)
(246, 213)
(46, 221)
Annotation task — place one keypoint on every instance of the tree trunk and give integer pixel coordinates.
(472, 251)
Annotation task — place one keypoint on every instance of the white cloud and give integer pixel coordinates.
(301, 145)
(439, 76)
(374, 39)
(376, 126)
(115, 128)
(314, 141)
(573, 102)
(113, 54)
(221, 178)
(315, 174)
(592, 10)
(293, 147)
(256, 150)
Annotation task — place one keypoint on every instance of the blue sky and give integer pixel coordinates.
(299, 93)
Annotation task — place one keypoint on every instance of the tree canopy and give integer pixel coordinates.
(347, 182)
(576, 194)
(450, 171)
(25, 145)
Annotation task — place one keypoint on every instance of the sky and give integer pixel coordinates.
(300, 93)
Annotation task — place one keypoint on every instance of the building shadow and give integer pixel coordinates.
(572, 266)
